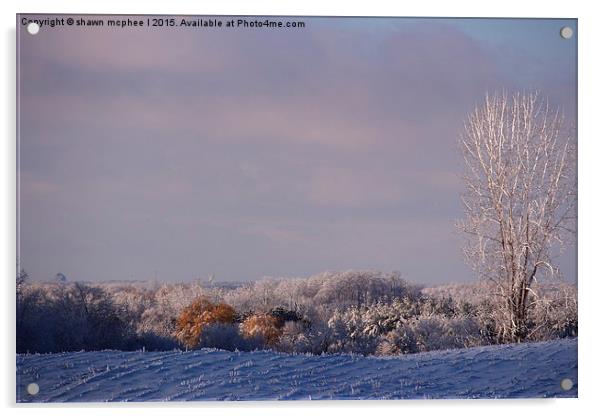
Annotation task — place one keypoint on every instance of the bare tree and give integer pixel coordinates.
(519, 200)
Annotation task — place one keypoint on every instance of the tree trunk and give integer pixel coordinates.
(518, 314)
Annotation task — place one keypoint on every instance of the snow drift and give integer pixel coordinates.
(503, 371)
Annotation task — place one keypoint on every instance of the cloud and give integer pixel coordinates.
(249, 152)
(257, 87)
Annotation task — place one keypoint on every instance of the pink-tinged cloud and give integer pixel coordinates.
(250, 153)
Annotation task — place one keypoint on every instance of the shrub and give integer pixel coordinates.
(399, 341)
(294, 338)
(284, 315)
(197, 316)
(263, 326)
(226, 337)
(440, 333)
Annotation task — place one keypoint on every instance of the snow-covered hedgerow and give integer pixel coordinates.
(399, 328)
(362, 312)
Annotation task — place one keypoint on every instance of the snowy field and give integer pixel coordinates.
(507, 371)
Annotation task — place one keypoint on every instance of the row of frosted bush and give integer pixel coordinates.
(364, 312)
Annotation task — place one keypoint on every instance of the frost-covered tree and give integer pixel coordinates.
(199, 315)
(262, 326)
(519, 200)
(20, 287)
(399, 341)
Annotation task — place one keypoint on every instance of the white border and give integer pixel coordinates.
(589, 189)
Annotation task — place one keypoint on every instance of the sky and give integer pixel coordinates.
(173, 154)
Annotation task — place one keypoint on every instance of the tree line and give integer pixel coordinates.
(364, 312)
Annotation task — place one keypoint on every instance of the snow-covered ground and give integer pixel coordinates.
(520, 370)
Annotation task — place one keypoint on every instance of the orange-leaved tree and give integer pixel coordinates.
(264, 326)
(197, 316)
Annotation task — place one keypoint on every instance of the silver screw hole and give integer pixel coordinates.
(566, 32)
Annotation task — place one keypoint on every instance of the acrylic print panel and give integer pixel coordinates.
(295, 208)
